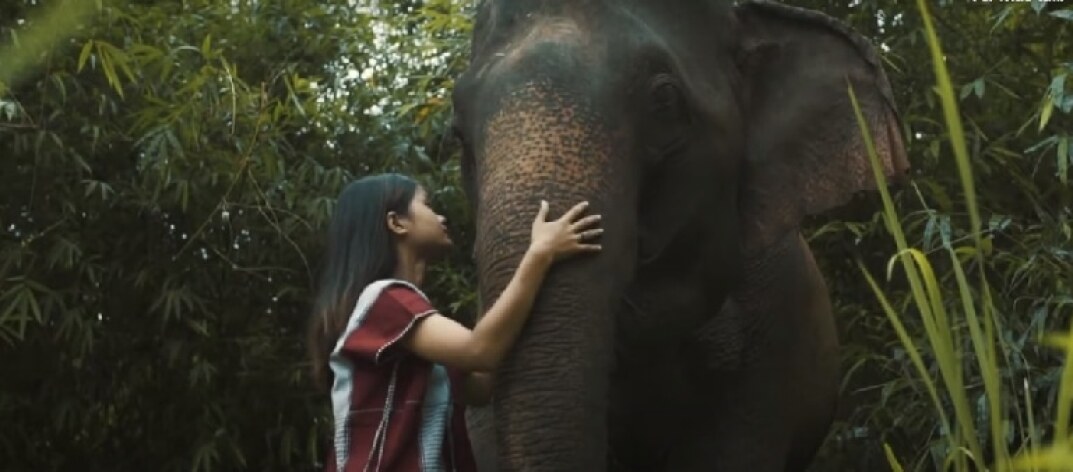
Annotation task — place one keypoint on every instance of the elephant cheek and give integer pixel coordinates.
(550, 398)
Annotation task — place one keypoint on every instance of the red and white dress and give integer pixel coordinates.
(393, 411)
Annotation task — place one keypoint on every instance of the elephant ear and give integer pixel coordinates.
(804, 149)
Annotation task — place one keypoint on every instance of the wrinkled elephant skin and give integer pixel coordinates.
(702, 337)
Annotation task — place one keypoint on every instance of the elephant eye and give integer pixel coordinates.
(666, 96)
(666, 127)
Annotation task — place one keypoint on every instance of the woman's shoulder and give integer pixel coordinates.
(406, 295)
(400, 288)
(390, 289)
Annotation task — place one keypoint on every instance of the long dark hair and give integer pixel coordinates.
(359, 251)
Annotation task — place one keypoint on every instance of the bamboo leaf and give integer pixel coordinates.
(206, 45)
(1046, 111)
(104, 52)
(84, 55)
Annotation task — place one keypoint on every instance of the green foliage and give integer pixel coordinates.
(167, 174)
(957, 378)
(961, 443)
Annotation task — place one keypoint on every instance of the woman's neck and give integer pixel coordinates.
(410, 268)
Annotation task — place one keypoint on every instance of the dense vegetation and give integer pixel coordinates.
(167, 168)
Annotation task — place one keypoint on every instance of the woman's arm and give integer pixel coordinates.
(445, 341)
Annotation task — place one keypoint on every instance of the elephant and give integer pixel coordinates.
(702, 336)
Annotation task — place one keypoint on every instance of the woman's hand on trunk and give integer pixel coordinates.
(442, 340)
(562, 238)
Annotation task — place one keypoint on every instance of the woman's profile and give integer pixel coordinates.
(399, 371)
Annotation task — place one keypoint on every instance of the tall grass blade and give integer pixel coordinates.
(893, 461)
(985, 358)
(949, 366)
(953, 120)
(983, 343)
(1033, 434)
(910, 346)
(1065, 392)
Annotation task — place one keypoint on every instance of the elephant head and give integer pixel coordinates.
(702, 131)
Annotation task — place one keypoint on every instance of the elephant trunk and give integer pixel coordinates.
(551, 391)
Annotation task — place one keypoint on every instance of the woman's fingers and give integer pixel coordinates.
(592, 233)
(586, 221)
(574, 212)
(542, 213)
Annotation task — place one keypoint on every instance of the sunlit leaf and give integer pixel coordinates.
(1063, 14)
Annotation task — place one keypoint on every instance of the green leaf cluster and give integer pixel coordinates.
(167, 172)
(955, 375)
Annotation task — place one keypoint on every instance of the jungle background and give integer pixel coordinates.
(167, 168)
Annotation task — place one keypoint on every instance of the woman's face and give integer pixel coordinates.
(426, 230)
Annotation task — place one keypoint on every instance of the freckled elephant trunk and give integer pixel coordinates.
(550, 398)
(551, 392)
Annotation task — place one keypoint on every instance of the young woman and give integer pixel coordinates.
(399, 371)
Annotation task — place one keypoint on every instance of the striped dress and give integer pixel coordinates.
(393, 411)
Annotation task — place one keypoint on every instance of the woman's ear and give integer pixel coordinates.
(396, 224)
(805, 153)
